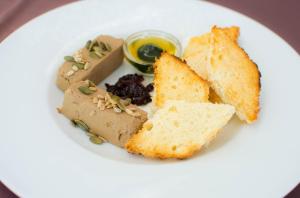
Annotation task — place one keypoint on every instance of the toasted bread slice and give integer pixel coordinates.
(174, 80)
(197, 51)
(213, 96)
(179, 129)
(234, 76)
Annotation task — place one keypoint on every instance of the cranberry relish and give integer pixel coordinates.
(130, 86)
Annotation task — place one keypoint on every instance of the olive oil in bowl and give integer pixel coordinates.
(142, 48)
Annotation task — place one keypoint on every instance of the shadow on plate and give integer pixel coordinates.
(225, 135)
(223, 138)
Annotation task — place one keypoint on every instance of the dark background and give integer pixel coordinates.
(281, 16)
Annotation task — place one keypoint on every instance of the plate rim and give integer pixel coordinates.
(5, 181)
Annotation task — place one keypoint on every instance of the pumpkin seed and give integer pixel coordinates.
(88, 44)
(90, 134)
(79, 65)
(85, 90)
(69, 58)
(96, 140)
(99, 54)
(115, 98)
(102, 46)
(80, 124)
(126, 102)
(93, 43)
(97, 49)
(93, 55)
(121, 106)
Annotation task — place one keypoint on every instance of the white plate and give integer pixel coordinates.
(42, 155)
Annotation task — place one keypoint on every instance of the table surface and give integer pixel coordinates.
(280, 16)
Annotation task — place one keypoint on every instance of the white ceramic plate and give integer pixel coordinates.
(42, 155)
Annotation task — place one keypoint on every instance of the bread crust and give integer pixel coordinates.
(234, 76)
(198, 43)
(163, 139)
(162, 152)
(196, 55)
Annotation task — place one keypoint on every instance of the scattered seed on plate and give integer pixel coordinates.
(93, 88)
(100, 96)
(95, 100)
(69, 73)
(86, 66)
(74, 68)
(99, 104)
(96, 140)
(117, 110)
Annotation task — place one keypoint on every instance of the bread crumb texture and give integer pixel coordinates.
(174, 80)
(234, 76)
(179, 129)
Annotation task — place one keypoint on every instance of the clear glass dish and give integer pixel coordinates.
(145, 67)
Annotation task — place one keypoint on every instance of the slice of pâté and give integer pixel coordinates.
(101, 113)
(98, 59)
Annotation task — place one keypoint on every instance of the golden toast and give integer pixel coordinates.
(174, 80)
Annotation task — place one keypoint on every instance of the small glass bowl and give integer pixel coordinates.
(146, 68)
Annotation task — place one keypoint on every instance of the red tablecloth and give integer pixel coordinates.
(280, 16)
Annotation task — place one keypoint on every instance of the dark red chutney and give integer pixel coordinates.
(130, 86)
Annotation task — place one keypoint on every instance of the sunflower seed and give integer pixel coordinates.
(95, 100)
(117, 110)
(93, 55)
(102, 107)
(102, 46)
(108, 47)
(100, 96)
(108, 106)
(97, 49)
(99, 54)
(74, 68)
(99, 104)
(69, 73)
(86, 66)
(93, 88)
